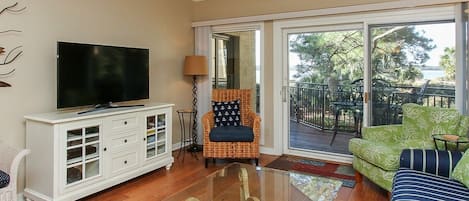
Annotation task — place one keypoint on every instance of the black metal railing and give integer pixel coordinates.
(313, 104)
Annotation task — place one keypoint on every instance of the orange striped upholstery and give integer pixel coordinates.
(248, 118)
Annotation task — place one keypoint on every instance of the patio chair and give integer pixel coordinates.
(400, 98)
(10, 159)
(232, 141)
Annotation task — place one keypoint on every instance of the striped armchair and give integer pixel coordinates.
(426, 175)
(249, 120)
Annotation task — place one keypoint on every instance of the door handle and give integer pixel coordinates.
(365, 97)
(284, 94)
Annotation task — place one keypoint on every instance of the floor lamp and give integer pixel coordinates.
(195, 66)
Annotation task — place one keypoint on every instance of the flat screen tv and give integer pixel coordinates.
(90, 74)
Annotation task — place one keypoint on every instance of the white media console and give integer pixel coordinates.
(74, 155)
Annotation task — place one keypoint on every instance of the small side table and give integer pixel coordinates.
(182, 114)
(448, 138)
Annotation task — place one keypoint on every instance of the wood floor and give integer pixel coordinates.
(160, 183)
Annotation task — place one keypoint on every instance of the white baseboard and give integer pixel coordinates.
(269, 151)
(178, 146)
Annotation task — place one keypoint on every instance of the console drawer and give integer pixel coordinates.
(123, 140)
(123, 122)
(123, 161)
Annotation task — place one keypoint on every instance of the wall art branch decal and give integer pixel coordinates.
(10, 30)
(12, 9)
(15, 53)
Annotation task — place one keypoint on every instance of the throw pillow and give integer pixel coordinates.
(226, 113)
(461, 171)
(4, 179)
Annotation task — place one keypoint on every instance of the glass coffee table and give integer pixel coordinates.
(239, 181)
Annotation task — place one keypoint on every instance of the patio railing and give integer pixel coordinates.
(312, 104)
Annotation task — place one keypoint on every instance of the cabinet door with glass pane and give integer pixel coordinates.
(83, 158)
(156, 134)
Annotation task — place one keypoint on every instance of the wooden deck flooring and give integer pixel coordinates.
(310, 138)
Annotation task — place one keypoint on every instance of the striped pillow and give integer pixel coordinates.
(461, 171)
(431, 161)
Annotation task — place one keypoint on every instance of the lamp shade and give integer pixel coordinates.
(195, 65)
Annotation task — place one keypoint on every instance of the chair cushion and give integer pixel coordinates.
(232, 134)
(416, 185)
(383, 155)
(461, 171)
(4, 179)
(226, 113)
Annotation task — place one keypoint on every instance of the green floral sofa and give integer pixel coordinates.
(376, 154)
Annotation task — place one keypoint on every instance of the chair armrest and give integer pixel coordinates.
(384, 133)
(10, 159)
(207, 125)
(431, 161)
(254, 121)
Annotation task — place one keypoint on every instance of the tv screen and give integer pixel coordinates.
(90, 74)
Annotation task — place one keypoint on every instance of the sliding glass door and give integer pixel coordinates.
(411, 63)
(325, 66)
(338, 78)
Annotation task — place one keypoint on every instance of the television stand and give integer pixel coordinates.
(109, 105)
(78, 155)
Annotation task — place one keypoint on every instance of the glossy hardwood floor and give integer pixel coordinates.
(160, 183)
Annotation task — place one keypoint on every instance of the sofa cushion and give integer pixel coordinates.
(383, 155)
(416, 185)
(461, 171)
(226, 113)
(420, 122)
(232, 134)
(4, 179)
(377, 175)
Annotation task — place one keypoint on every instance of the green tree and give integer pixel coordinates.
(327, 53)
(397, 52)
(448, 62)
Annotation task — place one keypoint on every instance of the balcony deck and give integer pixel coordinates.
(314, 115)
(310, 138)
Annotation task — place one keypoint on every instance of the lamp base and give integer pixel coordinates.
(195, 148)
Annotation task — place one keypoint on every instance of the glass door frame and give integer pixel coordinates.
(280, 47)
(257, 26)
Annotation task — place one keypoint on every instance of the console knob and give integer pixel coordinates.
(125, 162)
(105, 149)
(125, 122)
(125, 141)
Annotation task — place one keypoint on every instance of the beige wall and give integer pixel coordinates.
(219, 9)
(163, 26)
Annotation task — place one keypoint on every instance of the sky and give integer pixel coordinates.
(443, 36)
